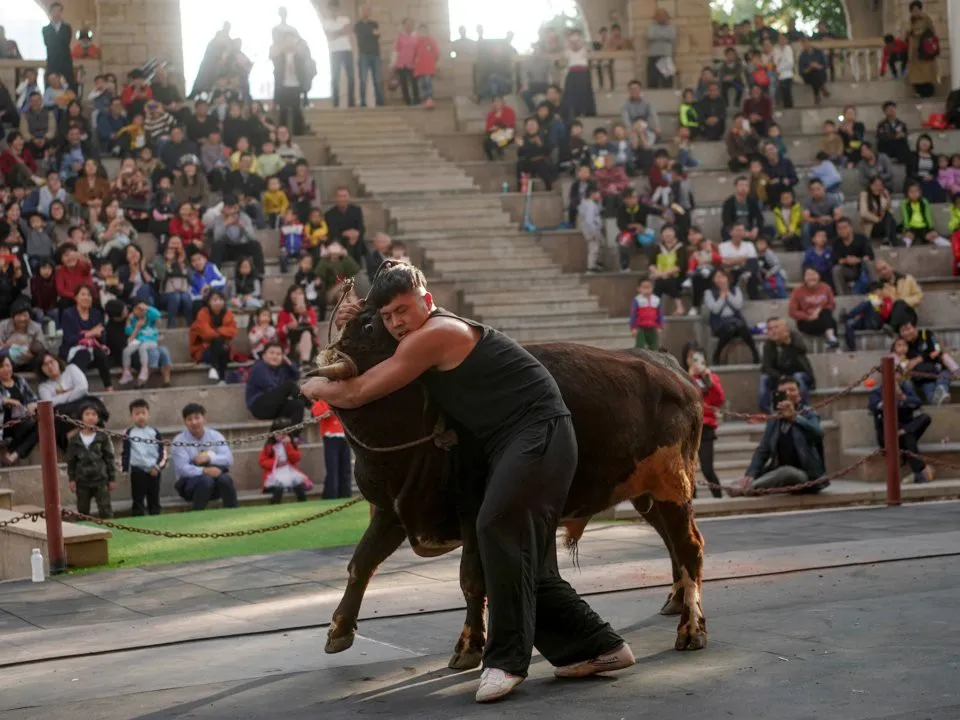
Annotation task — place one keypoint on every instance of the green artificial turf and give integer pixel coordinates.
(129, 549)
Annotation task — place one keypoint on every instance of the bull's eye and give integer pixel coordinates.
(368, 329)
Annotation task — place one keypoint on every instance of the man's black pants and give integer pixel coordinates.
(143, 485)
(529, 603)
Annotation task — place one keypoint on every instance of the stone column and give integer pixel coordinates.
(132, 31)
(953, 17)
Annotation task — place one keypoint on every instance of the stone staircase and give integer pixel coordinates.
(506, 275)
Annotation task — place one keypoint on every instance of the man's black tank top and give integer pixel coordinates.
(498, 389)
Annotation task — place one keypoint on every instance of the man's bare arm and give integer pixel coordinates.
(417, 353)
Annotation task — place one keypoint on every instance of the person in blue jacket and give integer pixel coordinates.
(205, 277)
(911, 424)
(273, 388)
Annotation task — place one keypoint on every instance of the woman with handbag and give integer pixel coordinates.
(725, 304)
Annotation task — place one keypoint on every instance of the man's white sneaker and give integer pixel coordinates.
(617, 659)
(495, 684)
(213, 374)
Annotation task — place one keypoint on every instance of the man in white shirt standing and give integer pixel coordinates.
(338, 30)
(291, 73)
(783, 58)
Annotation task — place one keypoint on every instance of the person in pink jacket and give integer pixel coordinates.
(404, 51)
(425, 63)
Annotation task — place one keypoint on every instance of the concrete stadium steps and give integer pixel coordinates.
(567, 330)
(440, 118)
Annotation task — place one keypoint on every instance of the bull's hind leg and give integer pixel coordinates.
(687, 542)
(469, 649)
(649, 511)
(381, 538)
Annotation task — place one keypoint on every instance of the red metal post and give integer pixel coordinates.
(51, 487)
(891, 430)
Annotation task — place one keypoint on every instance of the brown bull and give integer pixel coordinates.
(637, 419)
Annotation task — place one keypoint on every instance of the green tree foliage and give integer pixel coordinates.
(779, 13)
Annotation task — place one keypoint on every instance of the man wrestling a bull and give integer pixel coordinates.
(502, 395)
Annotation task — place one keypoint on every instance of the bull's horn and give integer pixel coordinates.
(341, 370)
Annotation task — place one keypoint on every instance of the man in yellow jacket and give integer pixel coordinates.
(903, 290)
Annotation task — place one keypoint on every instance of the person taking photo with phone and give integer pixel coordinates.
(695, 363)
(791, 450)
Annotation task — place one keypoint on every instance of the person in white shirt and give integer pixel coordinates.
(784, 60)
(739, 259)
(203, 465)
(338, 29)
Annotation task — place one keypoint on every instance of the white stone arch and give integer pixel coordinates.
(498, 17)
(252, 21)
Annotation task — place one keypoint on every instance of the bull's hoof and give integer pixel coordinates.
(673, 605)
(687, 640)
(465, 659)
(339, 644)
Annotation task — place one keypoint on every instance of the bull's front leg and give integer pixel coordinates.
(469, 649)
(381, 538)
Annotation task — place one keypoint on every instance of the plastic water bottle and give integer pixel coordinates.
(36, 565)
(505, 187)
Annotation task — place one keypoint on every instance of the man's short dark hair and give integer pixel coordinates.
(889, 103)
(915, 5)
(193, 409)
(635, 82)
(139, 403)
(786, 380)
(394, 278)
(740, 178)
(662, 152)
(599, 131)
(846, 220)
(815, 181)
(56, 5)
(887, 39)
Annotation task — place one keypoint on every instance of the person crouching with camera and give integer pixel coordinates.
(791, 451)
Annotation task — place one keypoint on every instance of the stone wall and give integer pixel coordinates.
(132, 31)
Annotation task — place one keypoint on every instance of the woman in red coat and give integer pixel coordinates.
(279, 459)
(425, 58)
(187, 226)
(694, 362)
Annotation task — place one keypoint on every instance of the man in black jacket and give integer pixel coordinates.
(791, 451)
(345, 223)
(57, 36)
(713, 114)
(742, 208)
(784, 356)
(248, 187)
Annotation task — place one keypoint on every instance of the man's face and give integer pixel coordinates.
(53, 182)
(245, 163)
(891, 112)
(736, 234)
(844, 230)
(884, 270)
(770, 152)
(742, 188)
(791, 392)
(73, 136)
(713, 92)
(342, 198)
(636, 92)
(405, 313)
(817, 191)
(196, 423)
(116, 107)
(197, 261)
(176, 135)
(56, 13)
(36, 102)
(908, 332)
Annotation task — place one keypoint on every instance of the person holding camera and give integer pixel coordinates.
(694, 362)
(784, 355)
(791, 451)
